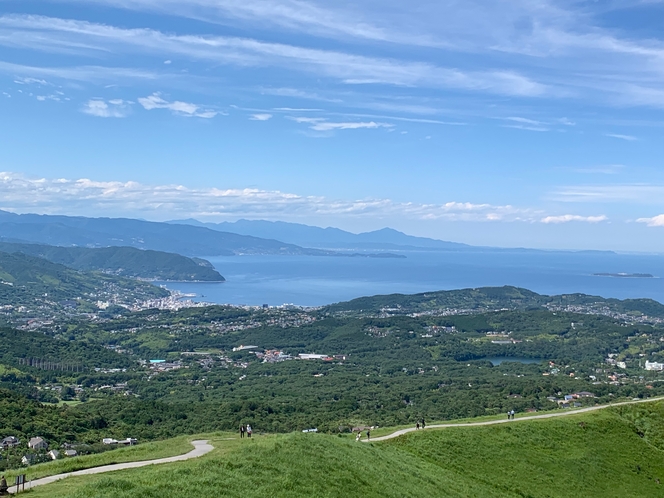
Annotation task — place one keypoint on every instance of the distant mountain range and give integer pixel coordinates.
(193, 238)
(327, 238)
(123, 261)
(187, 240)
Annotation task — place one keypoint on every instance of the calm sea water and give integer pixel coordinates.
(315, 281)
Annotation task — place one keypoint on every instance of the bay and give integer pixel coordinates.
(317, 280)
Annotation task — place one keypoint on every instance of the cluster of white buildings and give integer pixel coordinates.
(653, 365)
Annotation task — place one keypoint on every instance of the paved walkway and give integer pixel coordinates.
(520, 419)
(200, 449)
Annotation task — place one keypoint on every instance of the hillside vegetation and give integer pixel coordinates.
(491, 299)
(30, 281)
(124, 261)
(596, 454)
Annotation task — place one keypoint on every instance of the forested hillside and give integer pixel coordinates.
(32, 282)
(123, 261)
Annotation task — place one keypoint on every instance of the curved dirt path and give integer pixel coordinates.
(200, 448)
(505, 421)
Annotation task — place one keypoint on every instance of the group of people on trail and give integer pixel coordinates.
(510, 415)
(245, 429)
(359, 435)
(420, 424)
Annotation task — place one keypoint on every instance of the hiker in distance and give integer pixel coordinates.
(242, 431)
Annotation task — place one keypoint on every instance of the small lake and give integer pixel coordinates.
(514, 359)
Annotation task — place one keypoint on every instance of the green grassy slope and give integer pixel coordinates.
(594, 454)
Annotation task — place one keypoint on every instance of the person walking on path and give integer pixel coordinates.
(512, 412)
(423, 424)
(248, 430)
(368, 434)
(242, 431)
(509, 415)
(359, 436)
(417, 426)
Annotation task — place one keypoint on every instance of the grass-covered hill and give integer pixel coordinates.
(31, 281)
(124, 261)
(601, 454)
(488, 299)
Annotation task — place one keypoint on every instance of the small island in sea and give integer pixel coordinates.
(624, 275)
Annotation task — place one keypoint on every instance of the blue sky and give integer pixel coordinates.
(521, 123)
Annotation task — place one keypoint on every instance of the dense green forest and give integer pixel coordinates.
(123, 261)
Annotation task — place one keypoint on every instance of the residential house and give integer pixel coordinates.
(28, 459)
(37, 443)
(71, 453)
(9, 442)
(53, 454)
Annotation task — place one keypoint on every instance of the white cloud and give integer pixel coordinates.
(520, 123)
(609, 169)
(53, 34)
(156, 101)
(524, 120)
(30, 81)
(260, 117)
(53, 97)
(629, 138)
(94, 74)
(322, 124)
(327, 126)
(103, 109)
(566, 218)
(655, 221)
(634, 193)
(111, 198)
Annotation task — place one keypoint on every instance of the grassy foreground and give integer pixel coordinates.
(146, 451)
(611, 453)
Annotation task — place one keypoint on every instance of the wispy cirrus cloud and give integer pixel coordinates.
(608, 169)
(260, 117)
(632, 193)
(53, 34)
(322, 124)
(156, 101)
(628, 138)
(19, 193)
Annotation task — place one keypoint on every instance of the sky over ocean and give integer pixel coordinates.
(522, 123)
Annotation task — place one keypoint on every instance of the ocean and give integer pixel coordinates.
(316, 281)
